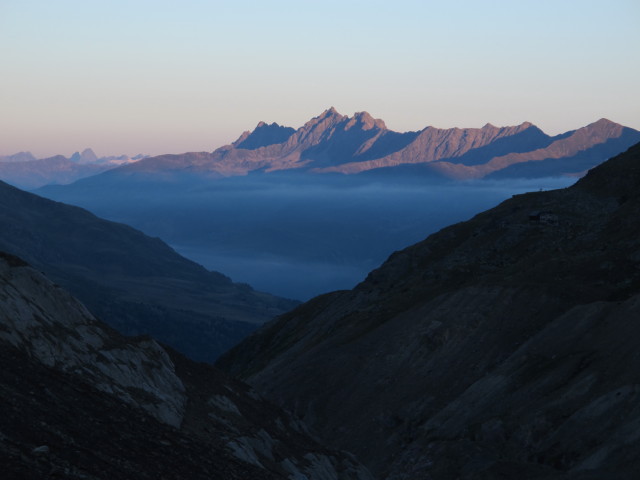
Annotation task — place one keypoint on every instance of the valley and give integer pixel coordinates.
(499, 347)
(136, 283)
(295, 236)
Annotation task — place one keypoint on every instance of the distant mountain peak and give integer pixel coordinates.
(330, 112)
(366, 121)
(363, 119)
(263, 135)
(604, 122)
(329, 117)
(18, 157)
(262, 124)
(87, 156)
(520, 127)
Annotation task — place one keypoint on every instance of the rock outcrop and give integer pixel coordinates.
(138, 372)
(80, 400)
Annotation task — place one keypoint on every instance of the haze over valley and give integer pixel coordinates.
(294, 236)
(300, 212)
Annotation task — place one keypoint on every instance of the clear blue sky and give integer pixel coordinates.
(131, 76)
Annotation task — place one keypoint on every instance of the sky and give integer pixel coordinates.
(161, 76)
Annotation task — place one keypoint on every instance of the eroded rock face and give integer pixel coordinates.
(138, 371)
(501, 347)
(103, 386)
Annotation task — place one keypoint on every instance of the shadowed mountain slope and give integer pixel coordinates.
(500, 347)
(135, 283)
(264, 135)
(576, 161)
(80, 401)
(578, 143)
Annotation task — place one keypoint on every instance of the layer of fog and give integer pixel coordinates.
(294, 236)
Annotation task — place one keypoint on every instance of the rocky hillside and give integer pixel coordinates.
(135, 283)
(500, 347)
(337, 143)
(80, 401)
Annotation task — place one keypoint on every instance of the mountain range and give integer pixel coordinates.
(299, 212)
(135, 283)
(500, 347)
(80, 401)
(335, 143)
(25, 171)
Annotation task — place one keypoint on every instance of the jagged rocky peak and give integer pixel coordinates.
(526, 124)
(86, 156)
(514, 128)
(315, 129)
(330, 114)
(365, 121)
(331, 118)
(263, 135)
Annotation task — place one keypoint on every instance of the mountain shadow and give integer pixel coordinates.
(576, 164)
(532, 138)
(264, 135)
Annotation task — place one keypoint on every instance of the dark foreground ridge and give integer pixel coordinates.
(80, 401)
(501, 347)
